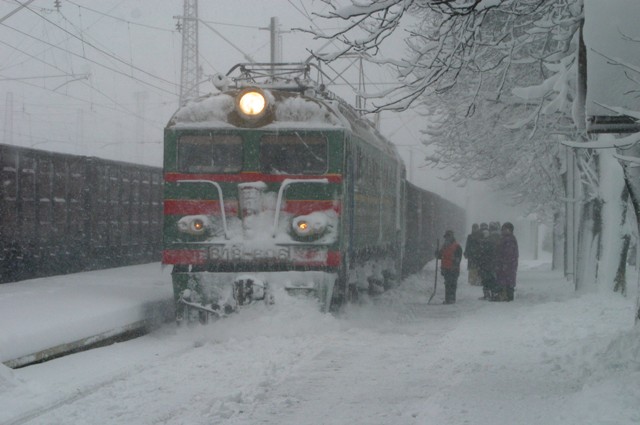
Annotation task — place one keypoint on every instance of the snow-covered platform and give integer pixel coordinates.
(42, 318)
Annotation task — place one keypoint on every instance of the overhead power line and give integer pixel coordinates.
(121, 19)
(16, 10)
(104, 52)
(37, 77)
(117, 71)
(246, 55)
(120, 108)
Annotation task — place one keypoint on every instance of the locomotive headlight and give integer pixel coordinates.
(301, 226)
(197, 225)
(252, 103)
(194, 224)
(313, 224)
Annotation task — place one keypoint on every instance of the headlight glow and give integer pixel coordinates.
(195, 224)
(302, 227)
(252, 103)
(313, 224)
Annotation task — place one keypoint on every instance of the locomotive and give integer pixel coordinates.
(275, 184)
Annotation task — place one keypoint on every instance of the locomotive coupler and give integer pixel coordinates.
(248, 288)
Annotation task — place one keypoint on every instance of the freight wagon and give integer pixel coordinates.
(62, 213)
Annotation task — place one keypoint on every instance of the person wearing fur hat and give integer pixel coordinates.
(471, 254)
(486, 262)
(506, 264)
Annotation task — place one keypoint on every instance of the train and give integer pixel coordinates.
(274, 184)
(62, 213)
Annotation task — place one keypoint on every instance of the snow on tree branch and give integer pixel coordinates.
(450, 37)
(463, 64)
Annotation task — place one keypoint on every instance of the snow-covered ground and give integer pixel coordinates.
(550, 357)
(40, 314)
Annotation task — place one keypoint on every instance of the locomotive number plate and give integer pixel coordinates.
(243, 253)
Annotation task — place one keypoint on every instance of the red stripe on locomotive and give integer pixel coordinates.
(199, 256)
(248, 177)
(193, 207)
(184, 256)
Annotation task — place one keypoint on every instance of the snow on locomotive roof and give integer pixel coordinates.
(298, 109)
(213, 110)
(293, 109)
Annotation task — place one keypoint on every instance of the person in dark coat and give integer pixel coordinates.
(450, 255)
(494, 232)
(506, 263)
(486, 262)
(471, 254)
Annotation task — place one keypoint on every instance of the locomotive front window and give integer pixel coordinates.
(293, 154)
(210, 153)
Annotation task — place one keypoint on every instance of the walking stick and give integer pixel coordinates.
(435, 283)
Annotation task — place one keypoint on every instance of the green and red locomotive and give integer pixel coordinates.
(275, 184)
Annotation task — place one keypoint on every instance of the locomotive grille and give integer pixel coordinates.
(250, 196)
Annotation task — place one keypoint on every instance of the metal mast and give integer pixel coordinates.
(275, 45)
(190, 72)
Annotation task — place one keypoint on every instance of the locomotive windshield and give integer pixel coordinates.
(293, 154)
(220, 153)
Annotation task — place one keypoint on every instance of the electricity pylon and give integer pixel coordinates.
(190, 71)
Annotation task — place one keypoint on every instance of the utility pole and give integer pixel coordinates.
(190, 70)
(583, 212)
(81, 144)
(8, 119)
(361, 102)
(276, 54)
(141, 97)
(275, 45)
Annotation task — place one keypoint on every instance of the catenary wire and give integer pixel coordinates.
(104, 52)
(117, 71)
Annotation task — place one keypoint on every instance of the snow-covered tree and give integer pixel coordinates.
(462, 61)
(499, 79)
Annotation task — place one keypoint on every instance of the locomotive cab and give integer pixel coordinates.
(253, 189)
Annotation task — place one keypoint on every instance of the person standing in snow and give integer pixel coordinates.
(471, 254)
(450, 255)
(494, 232)
(506, 264)
(486, 261)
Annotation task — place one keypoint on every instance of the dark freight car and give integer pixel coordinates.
(427, 216)
(63, 213)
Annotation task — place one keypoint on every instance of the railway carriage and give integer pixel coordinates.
(63, 213)
(276, 184)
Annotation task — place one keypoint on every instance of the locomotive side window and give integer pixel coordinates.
(210, 154)
(293, 154)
